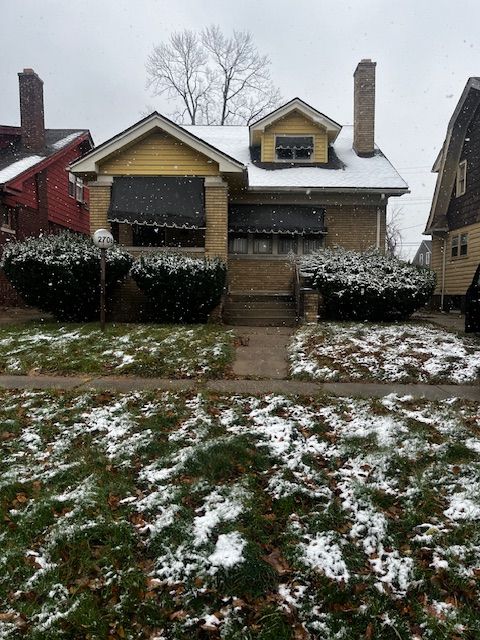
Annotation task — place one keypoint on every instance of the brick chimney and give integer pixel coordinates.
(32, 121)
(364, 108)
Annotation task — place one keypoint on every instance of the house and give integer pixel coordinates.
(424, 254)
(291, 183)
(454, 220)
(37, 193)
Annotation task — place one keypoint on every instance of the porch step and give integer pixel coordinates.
(260, 310)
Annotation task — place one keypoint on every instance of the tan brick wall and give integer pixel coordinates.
(260, 275)
(310, 306)
(99, 203)
(364, 108)
(216, 212)
(354, 227)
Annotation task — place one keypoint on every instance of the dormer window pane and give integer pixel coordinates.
(294, 147)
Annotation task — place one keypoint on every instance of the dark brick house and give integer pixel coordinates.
(37, 193)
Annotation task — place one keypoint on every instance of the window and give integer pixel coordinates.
(461, 178)
(6, 218)
(464, 244)
(71, 185)
(427, 258)
(421, 259)
(312, 243)
(75, 187)
(291, 148)
(238, 244)
(454, 252)
(262, 244)
(286, 244)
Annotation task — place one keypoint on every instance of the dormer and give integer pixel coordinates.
(295, 133)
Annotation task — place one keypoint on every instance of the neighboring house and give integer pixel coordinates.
(290, 183)
(454, 221)
(423, 257)
(37, 193)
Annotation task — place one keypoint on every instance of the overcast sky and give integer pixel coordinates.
(91, 55)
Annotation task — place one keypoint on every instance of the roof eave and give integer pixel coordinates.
(377, 190)
(89, 163)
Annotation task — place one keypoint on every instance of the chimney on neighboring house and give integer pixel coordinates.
(364, 108)
(32, 120)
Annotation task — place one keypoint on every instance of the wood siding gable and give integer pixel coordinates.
(158, 154)
(295, 124)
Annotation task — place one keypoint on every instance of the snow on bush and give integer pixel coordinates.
(367, 286)
(181, 288)
(61, 274)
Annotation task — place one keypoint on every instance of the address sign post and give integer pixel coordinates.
(103, 239)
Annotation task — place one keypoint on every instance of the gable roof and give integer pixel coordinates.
(16, 160)
(448, 158)
(89, 162)
(297, 104)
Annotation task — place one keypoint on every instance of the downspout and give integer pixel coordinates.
(379, 220)
(444, 266)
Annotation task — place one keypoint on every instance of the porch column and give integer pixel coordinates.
(216, 214)
(99, 201)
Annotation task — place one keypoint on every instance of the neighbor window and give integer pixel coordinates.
(461, 178)
(238, 244)
(312, 243)
(464, 244)
(421, 259)
(455, 245)
(262, 244)
(75, 187)
(294, 148)
(427, 258)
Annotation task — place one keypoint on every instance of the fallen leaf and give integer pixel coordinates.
(278, 562)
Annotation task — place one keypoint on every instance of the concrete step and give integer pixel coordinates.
(260, 313)
(260, 296)
(259, 322)
(240, 305)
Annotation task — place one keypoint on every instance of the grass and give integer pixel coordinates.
(174, 516)
(412, 352)
(123, 349)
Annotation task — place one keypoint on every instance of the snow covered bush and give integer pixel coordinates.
(61, 273)
(180, 288)
(367, 286)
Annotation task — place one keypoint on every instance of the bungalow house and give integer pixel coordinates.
(37, 194)
(454, 220)
(289, 184)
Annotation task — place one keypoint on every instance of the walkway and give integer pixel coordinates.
(261, 352)
(288, 387)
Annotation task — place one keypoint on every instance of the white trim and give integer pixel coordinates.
(332, 127)
(89, 164)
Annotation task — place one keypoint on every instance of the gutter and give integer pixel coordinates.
(366, 190)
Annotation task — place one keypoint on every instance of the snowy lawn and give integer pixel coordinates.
(407, 352)
(165, 516)
(144, 350)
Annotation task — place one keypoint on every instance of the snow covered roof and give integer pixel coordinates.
(349, 172)
(15, 159)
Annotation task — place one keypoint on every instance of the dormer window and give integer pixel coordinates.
(294, 148)
(461, 186)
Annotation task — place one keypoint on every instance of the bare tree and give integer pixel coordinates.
(179, 70)
(217, 79)
(393, 236)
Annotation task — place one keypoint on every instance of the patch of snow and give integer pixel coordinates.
(323, 554)
(16, 168)
(228, 550)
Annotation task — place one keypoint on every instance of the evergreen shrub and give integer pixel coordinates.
(367, 286)
(60, 273)
(180, 288)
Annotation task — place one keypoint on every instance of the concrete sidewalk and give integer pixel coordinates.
(244, 386)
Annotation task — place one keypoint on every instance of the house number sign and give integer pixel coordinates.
(103, 239)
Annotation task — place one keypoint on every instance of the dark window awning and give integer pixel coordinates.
(158, 201)
(266, 218)
(294, 142)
